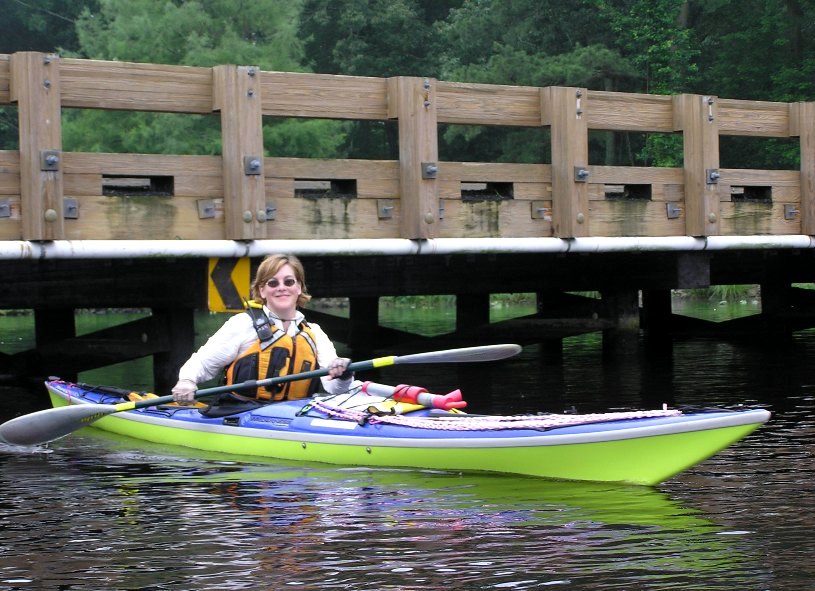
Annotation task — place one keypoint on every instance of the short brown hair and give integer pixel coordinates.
(270, 266)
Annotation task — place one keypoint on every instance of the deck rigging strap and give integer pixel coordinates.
(464, 422)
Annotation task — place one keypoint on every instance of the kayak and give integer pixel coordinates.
(365, 428)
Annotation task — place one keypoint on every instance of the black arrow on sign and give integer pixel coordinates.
(222, 278)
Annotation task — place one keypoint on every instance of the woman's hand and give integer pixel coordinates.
(184, 391)
(338, 369)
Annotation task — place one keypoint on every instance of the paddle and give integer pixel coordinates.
(46, 425)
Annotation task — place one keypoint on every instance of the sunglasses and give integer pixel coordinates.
(288, 282)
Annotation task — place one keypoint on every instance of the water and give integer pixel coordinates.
(97, 511)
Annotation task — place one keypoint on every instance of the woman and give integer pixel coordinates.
(272, 338)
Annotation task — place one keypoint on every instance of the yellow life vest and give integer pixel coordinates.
(275, 354)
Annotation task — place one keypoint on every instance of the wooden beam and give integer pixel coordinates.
(563, 109)
(696, 116)
(803, 117)
(236, 94)
(35, 87)
(413, 102)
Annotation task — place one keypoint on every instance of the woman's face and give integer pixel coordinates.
(281, 292)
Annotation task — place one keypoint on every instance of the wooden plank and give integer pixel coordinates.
(35, 86)
(237, 96)
(318, 168)
(413, 101)
(488, 104)
(141, 164)
(803, 124)
(491, 219)
(95, 84)
(82, 184)
(141, 218)
(325, 96)
(634, 218)
(11, 228)
(532, 191)
(753, 118)
(495, 172)
(620, 111)
(198, 185)
(757, 219)
(5, 79)
(9, 184)
(318, 219)
(635, 175)
(564, 109)
(754, 177)
(697, 118)
(9, 173)
(377, 188)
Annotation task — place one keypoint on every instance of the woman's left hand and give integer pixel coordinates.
(339, 369)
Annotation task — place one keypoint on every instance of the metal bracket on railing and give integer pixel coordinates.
(206, 209)
(5, 209)
(712, 176)
(49, 160)
(539, 211)
(790, 211)
(581, 174)
(429, 170)
(252, 165)
(384, 208)
(672, 210)
(70, 209)
(271, 211)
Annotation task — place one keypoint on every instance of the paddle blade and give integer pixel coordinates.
(464, 355)
(52, 423)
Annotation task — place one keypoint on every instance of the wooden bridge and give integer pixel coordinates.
(84, 230)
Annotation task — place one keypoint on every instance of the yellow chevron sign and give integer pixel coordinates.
(229, 283)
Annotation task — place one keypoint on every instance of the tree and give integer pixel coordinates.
(528, 43)
(47, 26)
(373, 38)
(261, 33)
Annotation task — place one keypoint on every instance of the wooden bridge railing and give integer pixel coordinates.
(48, 194)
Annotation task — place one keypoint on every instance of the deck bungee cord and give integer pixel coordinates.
(464, 422)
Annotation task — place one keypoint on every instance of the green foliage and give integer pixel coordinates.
(652, 35)
(371, 37)
(749, 49)
(723, 293)
(261, 33)
(44, 25)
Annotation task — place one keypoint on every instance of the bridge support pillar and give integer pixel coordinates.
(364, 324)
(622, 307)
(51, 326)
(180, 332)
(776, 306)
(472, 309)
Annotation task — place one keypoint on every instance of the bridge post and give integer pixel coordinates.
(696, 117)
(180, 326)
(236, 94)
(563, 109)
(802, 124)
(35, 87)
(413, 102)
(622, 307)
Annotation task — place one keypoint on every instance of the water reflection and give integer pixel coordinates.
(97, 511)
(133, 515)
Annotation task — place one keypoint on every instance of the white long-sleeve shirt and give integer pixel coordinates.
(237, 334)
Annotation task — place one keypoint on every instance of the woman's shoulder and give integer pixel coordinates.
(237, 322)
